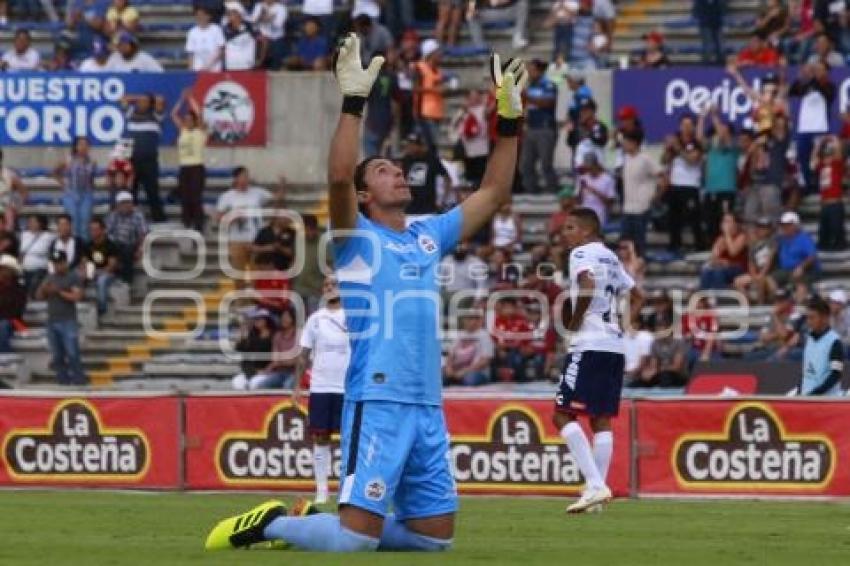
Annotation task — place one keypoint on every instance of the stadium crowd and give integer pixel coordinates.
(738, 190)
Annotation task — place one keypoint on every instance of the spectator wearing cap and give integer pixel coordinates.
(428, 92)
(709, 15)
(839, 314)
(85, 24)
(587, 134)
(240, 39)
(596, 188)
(757, 53)
(816, 92)
(145, 113)
(76, 175)
(541, 135)
(823, 353)
(22, 56)
(129, 58)
(628, 122)
(381, 110)
(269, 16)
(653, 55)
(34, 253)
(374, 38)
(126, 227)
(480, 12)
(797, 259)
(828, 166)
(122, 17)
(683, 157)
(205, 43)
(641, 176)
(103, 262)
(311, 50)
(561, 17)
(239, 207)
(98, 61)
(62, 290)
(767, 171)
(721, 169)
(422, 167)
(755, 284)
(824, 52)
(581, 56)
(471, 128)
(470, 354)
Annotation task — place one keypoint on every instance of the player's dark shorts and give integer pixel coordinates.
(591, 383)
(325, 412)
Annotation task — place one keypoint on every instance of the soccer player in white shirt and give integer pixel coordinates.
(325, 341)
(592, 379)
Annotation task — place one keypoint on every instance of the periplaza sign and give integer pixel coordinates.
(53, 109)
(668, 94)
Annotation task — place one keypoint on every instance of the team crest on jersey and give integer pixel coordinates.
(375, 489)
(427, 244)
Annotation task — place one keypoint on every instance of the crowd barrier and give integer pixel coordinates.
(691, 447)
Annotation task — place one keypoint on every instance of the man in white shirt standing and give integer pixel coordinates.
(22, 57)
(240, 47)
(325, 341)
(239, 208)
(269, 17)
(205, 43)
(641, 175)
(129, 58)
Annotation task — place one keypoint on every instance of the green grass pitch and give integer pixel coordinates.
(93, 528)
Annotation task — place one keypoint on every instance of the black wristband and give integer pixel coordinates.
(353, 105)
(507, 127)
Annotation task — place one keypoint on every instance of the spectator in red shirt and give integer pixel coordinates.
(758, 52)
(269, 284)
(539, 351)
(510, 332)
(828, 164)
(700, 327)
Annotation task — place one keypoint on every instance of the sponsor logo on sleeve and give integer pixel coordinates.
(754, 451)
(375, 489)
(76, 446)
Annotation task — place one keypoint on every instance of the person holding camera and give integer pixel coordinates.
(828, 165)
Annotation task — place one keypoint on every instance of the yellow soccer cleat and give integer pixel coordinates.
(242, 531)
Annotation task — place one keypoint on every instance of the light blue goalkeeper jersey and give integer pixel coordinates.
(388, 282)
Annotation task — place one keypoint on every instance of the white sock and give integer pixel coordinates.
(580, 449)
(603, 448)
(322, 465)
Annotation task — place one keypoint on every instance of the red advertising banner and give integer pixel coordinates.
(788, 448)
(512, 447)
(234, 106)
(93, 442)
(497, 446)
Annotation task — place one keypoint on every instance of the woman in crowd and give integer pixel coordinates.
(728, 256)
(632, 262)
(191, 146)
(506, 229)
(76, 175)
